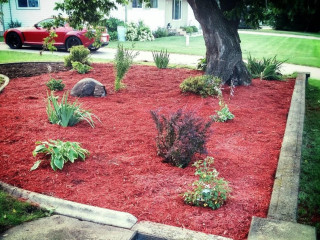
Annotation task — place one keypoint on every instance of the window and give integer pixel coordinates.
(176, 9)
(28, 3)
(136, 4)
(154, 3)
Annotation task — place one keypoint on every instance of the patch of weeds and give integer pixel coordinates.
(210, 190)
(180, 136)
(14, 212)
(309, 193)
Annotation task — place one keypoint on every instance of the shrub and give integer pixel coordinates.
(80, 67)
(180, 136)
(112, 24)
(190, 29)
(205, 85)
(14, 24)
(66, 114)
(210, 190)
(138, 32)
(266, 69)
(61, 152)
(123, 61)
(161, 58)
(202, 64)
(161, 32)
(55, 85)
(77, 54)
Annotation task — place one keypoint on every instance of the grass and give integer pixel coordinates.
(294, 50)
(13, 212)
(309, 195)
(12, 56)
(283, 32)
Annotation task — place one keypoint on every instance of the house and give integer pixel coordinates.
(162, 12)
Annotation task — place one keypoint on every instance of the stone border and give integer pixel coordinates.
(282, 215)
(6, 82)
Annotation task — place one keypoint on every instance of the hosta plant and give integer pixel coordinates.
(60, 152)
(224, 113)
(180, 136)
(210, 190)
(66, 114)
(161, 59)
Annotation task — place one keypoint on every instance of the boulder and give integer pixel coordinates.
(88, 87)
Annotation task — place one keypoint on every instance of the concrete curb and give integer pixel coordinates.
(6, 82)
(282, 215)
(73, 209)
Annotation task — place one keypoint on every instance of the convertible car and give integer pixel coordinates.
(67, 36)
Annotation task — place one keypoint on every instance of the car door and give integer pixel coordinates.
(35, 35)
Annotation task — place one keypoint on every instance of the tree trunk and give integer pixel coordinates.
(224, 56)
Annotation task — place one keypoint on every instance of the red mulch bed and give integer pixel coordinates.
(123, 171)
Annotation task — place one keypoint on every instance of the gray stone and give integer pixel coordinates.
(88, 87)
(270, 229)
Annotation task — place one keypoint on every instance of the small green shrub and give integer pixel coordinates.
(123, 60)
(161, 32)
(61, 152)
(138, 32)
(180, 136)
(77, 54)
(202, 64)
(265, 69)
(205, 85)
(66, 114)
(210, 190)
(55, 84)
(80, 67)
(112, 24)
(14, 24)
(161, 59)
(190, 29)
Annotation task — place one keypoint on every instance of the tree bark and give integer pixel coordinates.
(224, 56)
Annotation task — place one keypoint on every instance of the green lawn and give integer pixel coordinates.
(309, 195)
(10, 56)
(283, 32)
(13, 212)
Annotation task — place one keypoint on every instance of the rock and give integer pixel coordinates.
(88, 87)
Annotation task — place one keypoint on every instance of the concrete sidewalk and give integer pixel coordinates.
(175, 59)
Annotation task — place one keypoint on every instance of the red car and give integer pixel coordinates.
(67, 37)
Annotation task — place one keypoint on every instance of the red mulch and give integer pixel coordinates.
(123, 171)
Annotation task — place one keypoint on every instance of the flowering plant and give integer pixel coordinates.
(210, 190)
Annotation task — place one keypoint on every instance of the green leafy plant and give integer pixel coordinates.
(80, 67)
(161, 58)
(61, 152)
(205, 85)
(265, 69)
(14, 24)
(55, 84)
(66, 114)
(202, 64)
(224, 113)
(77, 54)
(190, 29)
(161, 32)
(210, 190)
(138, 32)
(112, 24)
(180, 136)
(123, 60)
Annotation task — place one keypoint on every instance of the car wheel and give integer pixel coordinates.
(72, 41)
(13, 40)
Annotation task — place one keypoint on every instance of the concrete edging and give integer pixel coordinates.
(73, 209)
(6, 82)
(280, 223)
